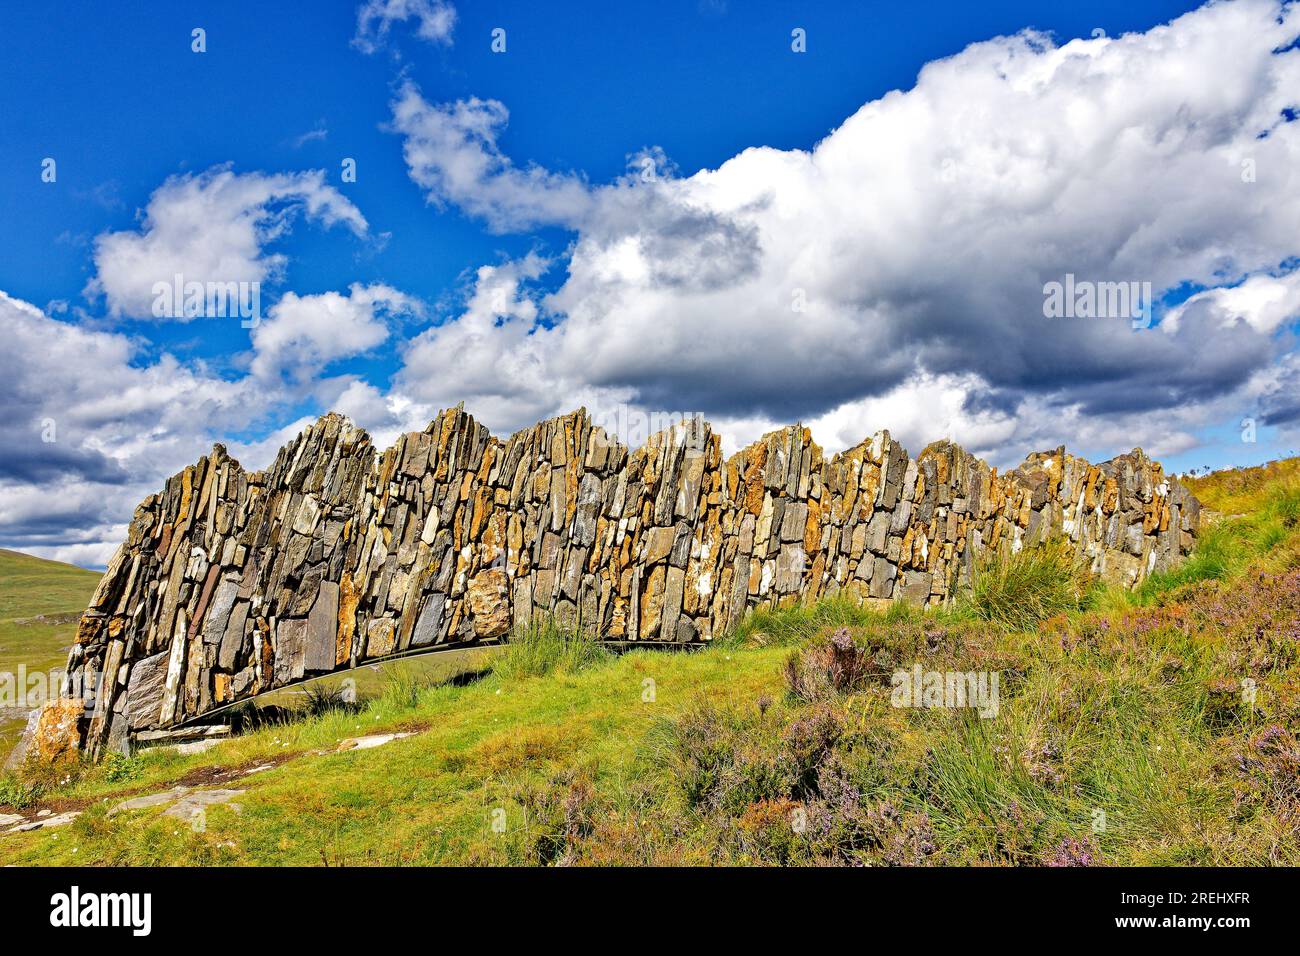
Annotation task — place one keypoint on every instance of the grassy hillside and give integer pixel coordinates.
(1150, 728)
(32, 588)
(1242, 490)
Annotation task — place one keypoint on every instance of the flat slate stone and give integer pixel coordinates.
(429, 623)
(46, 823)
(290, 636)
(196, 801)
(144, 691)
(370, 741)
(223, 602)
(322, 629)
(152, 800)
(233, 640)
(182, 802)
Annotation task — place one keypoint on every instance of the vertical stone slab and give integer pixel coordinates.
(321, 649)
(175, 669)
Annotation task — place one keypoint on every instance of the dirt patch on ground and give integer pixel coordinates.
(198, 777)
(201, 776)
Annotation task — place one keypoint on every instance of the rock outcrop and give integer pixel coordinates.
(233, 583)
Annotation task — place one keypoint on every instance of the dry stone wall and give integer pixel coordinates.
(233, 583)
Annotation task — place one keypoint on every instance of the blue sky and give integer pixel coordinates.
(116, 95)
(488, 259)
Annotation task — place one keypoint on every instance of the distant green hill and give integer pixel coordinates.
(40, 602)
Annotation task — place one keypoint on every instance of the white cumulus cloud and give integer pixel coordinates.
(211, 227)
(434, 21)
(303, 334)
(906, 253)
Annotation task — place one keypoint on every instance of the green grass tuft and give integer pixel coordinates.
(19, 793)
(119, 768)
(1022, 590)
(546, 648)
(326, 698)
(1282, 505)
(779, 627)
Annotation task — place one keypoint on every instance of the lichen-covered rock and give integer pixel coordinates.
(233, 583)
(53, 734)
(489, 603)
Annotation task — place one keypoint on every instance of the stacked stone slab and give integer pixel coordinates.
(231, 584)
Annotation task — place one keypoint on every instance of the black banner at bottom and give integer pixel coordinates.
(301, 905)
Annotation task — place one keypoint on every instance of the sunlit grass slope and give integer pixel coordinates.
(1156, 727)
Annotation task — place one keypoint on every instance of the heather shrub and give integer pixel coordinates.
(1071, 852)
(792, 790)
(720, 761)
(829, 667)
(1268, 772)
(1223, 702)
(561, 815)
